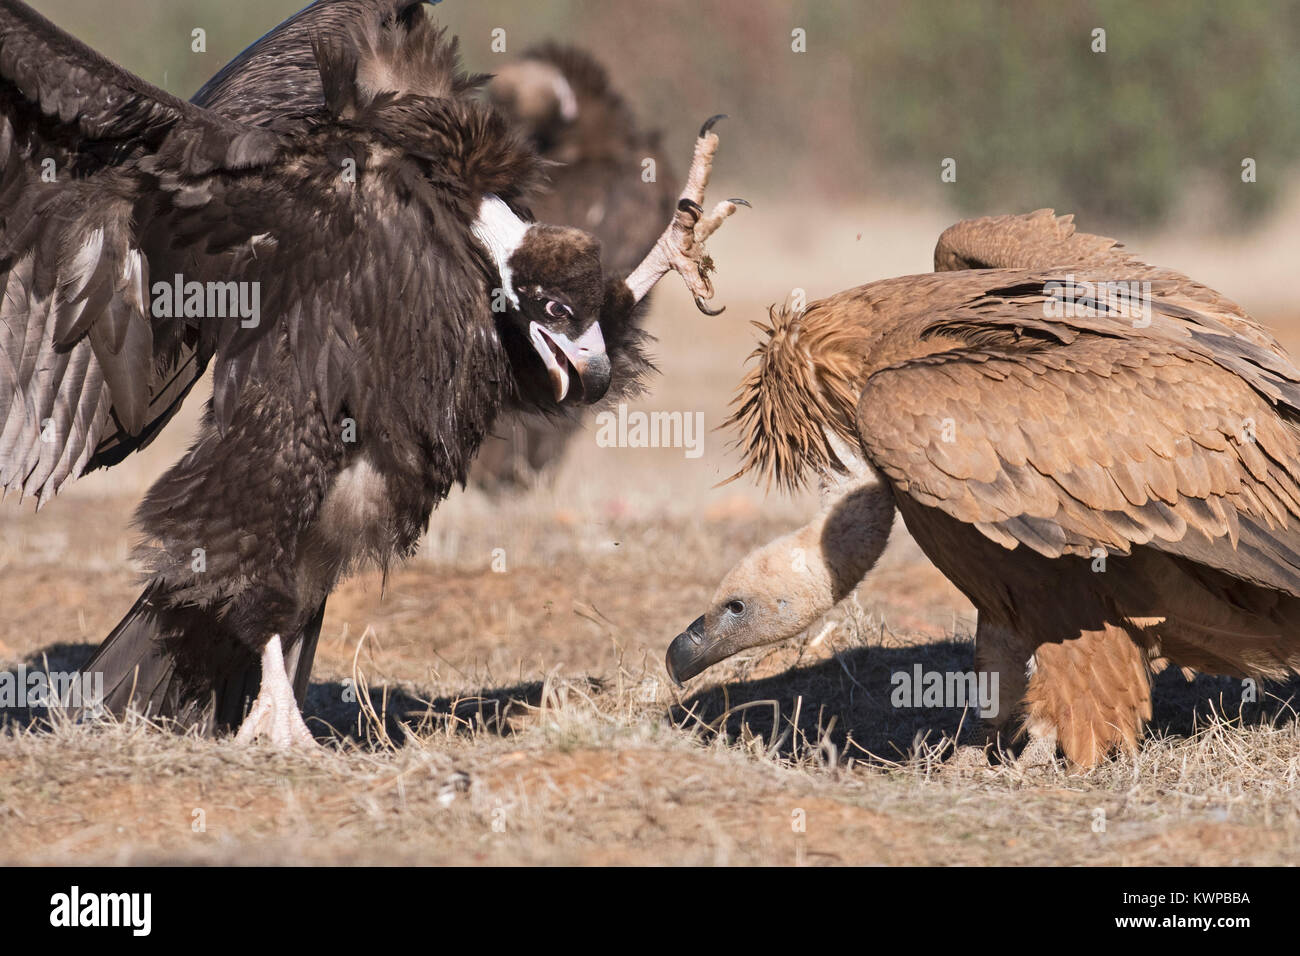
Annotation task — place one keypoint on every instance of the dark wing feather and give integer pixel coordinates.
(276, 81)
(1179, 436)
(78, 346)
(59, 94)
(215, 200)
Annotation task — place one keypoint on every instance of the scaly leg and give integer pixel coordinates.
(275, 713)
(681, 247)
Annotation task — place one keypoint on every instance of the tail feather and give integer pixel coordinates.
(181, 665)
(137, 669)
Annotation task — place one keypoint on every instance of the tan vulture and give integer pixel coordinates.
(1099, 453)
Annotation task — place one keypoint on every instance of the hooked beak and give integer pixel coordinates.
(566, 360)
(691, 652)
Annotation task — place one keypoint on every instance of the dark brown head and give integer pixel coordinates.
(552, 288)
(558, 280)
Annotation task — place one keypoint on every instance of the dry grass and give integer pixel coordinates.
(573, 772)
(524, 717)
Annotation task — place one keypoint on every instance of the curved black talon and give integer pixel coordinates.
(742, 202)
(699, 304)
(708, 123)
(691, 206)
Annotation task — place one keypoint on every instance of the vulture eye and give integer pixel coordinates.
(736, 607)
(558, 310)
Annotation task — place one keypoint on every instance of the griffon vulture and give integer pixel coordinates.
(562, 99)
(1101, 454)
(345, 178)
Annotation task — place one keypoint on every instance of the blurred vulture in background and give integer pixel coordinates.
(1103, 455)
(562, 99)
(348, 181)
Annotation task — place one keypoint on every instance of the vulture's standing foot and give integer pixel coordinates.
(968, 758)
(681, 247)
(1038, 754)
(275, 713)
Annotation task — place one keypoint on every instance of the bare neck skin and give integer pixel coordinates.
(848, 536)
(781, 588)
(828, 557)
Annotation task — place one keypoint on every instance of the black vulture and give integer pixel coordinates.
(562, 98)
(339, 226)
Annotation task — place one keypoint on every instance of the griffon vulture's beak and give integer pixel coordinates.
(692, 652)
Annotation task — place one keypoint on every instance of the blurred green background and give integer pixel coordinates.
(1155, 126)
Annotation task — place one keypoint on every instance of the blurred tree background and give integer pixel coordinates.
(1012, 91)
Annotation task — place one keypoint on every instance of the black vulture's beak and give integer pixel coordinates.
(579, 368)
(691, 652)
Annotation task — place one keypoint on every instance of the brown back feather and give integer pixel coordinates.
(1036, 240)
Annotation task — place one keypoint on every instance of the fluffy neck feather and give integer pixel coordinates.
(803, 388)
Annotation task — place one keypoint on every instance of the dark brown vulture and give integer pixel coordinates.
(342, 233)
(1101, 454)
(562, 99)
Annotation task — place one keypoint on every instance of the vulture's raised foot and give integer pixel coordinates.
(681, 247)
(275, 713)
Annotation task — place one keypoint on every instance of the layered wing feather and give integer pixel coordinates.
(78, 347)
(88, 371)
(1067, 435)
(275, 83)
(1044, 240)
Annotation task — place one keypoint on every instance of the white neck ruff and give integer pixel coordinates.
(500, 232)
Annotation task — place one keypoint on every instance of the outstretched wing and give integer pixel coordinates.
(81, 140)
(62, 100)
(1071, 434)
(343, 242)
(274, 83)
